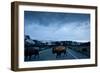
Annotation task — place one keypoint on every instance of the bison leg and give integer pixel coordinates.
(58, 55)
(65, 53)
(36, 56)
(29, 57)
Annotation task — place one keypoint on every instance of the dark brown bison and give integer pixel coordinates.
(30, 51)
(59, 50)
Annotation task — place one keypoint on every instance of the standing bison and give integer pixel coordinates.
(30, 51)
(59, 50)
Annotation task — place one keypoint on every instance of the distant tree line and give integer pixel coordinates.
(31, 42)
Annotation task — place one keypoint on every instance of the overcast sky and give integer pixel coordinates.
(57, 26)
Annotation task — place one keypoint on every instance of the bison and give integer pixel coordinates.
(30, 51)
(59, 50)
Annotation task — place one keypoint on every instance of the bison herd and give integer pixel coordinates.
(34, 52)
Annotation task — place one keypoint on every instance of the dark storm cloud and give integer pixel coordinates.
(57, 26)
(47, 18)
